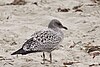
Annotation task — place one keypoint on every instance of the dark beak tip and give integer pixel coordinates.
(65, 28)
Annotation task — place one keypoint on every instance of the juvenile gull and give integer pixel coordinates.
(45, 40)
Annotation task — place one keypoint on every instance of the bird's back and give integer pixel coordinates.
(44, 40)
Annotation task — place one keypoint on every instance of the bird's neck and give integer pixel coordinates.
(58, 31)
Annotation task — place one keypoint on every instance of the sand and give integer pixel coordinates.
(19, 22)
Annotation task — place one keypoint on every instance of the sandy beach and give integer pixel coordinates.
(19, 22)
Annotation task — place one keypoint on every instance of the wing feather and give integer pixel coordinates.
(42, 40)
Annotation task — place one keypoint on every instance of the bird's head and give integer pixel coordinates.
(56, 24)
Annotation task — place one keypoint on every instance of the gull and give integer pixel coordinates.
(45, 40)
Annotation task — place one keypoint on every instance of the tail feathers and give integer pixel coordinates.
(20, 51)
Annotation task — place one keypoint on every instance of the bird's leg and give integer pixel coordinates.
(50, 57)
(17, 55)
(43, 58)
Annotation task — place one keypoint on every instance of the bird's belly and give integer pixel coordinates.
(48, 48)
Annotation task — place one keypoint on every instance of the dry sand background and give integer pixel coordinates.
(19, 22)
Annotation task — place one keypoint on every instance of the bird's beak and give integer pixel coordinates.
(65, 28)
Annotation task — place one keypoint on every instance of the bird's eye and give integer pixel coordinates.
(58, 24)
